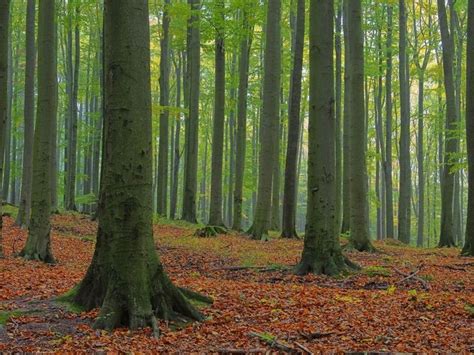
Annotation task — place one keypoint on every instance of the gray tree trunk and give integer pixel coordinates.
(38, 244)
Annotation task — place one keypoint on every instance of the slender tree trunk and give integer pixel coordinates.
(24, 211)
(162, 187)
(447, 195)
(38, 244)
(294, 107)
(270, 118)
(215, 210)
(241, 133)
(177, 133)
(468, 248)
(192, 120)
(4, 44)
(359, 238)
(8, 131)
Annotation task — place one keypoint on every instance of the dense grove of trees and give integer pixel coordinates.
(225, 113)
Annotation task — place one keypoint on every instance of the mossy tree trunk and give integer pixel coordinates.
(38, 244)
(322, 252)
(4, 26)
(359, 221)
(469, 242)
(270, 117)
(126, 278)
(289, 191)
(24, 211)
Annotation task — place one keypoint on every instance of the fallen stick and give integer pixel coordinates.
(273, 342)
(260, 268)
(413, 276)
(304, 348)
(241, 351)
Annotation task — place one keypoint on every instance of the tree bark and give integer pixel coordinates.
(359, 222)
(270, 117)
(38, 244)
(162, 186)
(192, 119)
(126, 278)
(468, 248)
(215, 210)
(294, 107)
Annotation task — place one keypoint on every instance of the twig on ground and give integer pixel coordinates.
(273, 342)
(412, 275)
(241, 351)
(304, 348)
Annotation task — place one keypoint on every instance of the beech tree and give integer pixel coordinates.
(126, 278)
(38, 244)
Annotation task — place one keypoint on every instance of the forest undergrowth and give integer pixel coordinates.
(404, 299)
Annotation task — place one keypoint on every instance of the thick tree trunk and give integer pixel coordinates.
(294, 107)
(338, 117)
(468, 249)
(192, 119)
(447, 192)
(126, 278)
(321, 252)
(215, 210)
(162, 186)
(241, 133)
(270, 117)
(38, 244)
(359, 237)
(8, 131)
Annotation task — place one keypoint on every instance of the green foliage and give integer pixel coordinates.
(377, 271)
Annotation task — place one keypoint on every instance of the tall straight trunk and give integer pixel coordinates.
(404, 205)
(269, 119)
(338, 117)
(447, 192)
(177, 134)
(70, 188)
(215, 210)
(38, 244)
(232, 144)
(126, 278)
(192, 119)
(275, 207)
(8, 131)
(321, 252)
(241, 134)
(4, 44)
(162, 186)
(24, 210)
(294, 107)
(388, 127)
(359, 237)
(468, 248)
(346, 196)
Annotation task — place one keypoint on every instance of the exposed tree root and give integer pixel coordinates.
(331, 266)
(210, 231)
(367, 247)
(45, 256)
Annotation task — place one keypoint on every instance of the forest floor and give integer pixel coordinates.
(403, 300)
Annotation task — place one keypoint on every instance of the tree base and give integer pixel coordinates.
(255, 233)
(210, 231)
(367, 247)
(331, 266)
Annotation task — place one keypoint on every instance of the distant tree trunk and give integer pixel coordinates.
(294, 107)
(4, 44)
(321, 252)
(232, 138)
(73, 70)
(38, 244)
(215, 210)
(241, 133)
(177, 134)
(468, 248)
(270, 117)
(404, 205)
(346, 196)
(162, 188)
(388, 127)
(447, 192)
(24, 210)
(192, 119)
(275, 204)
(126, 278)
(359, 238)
